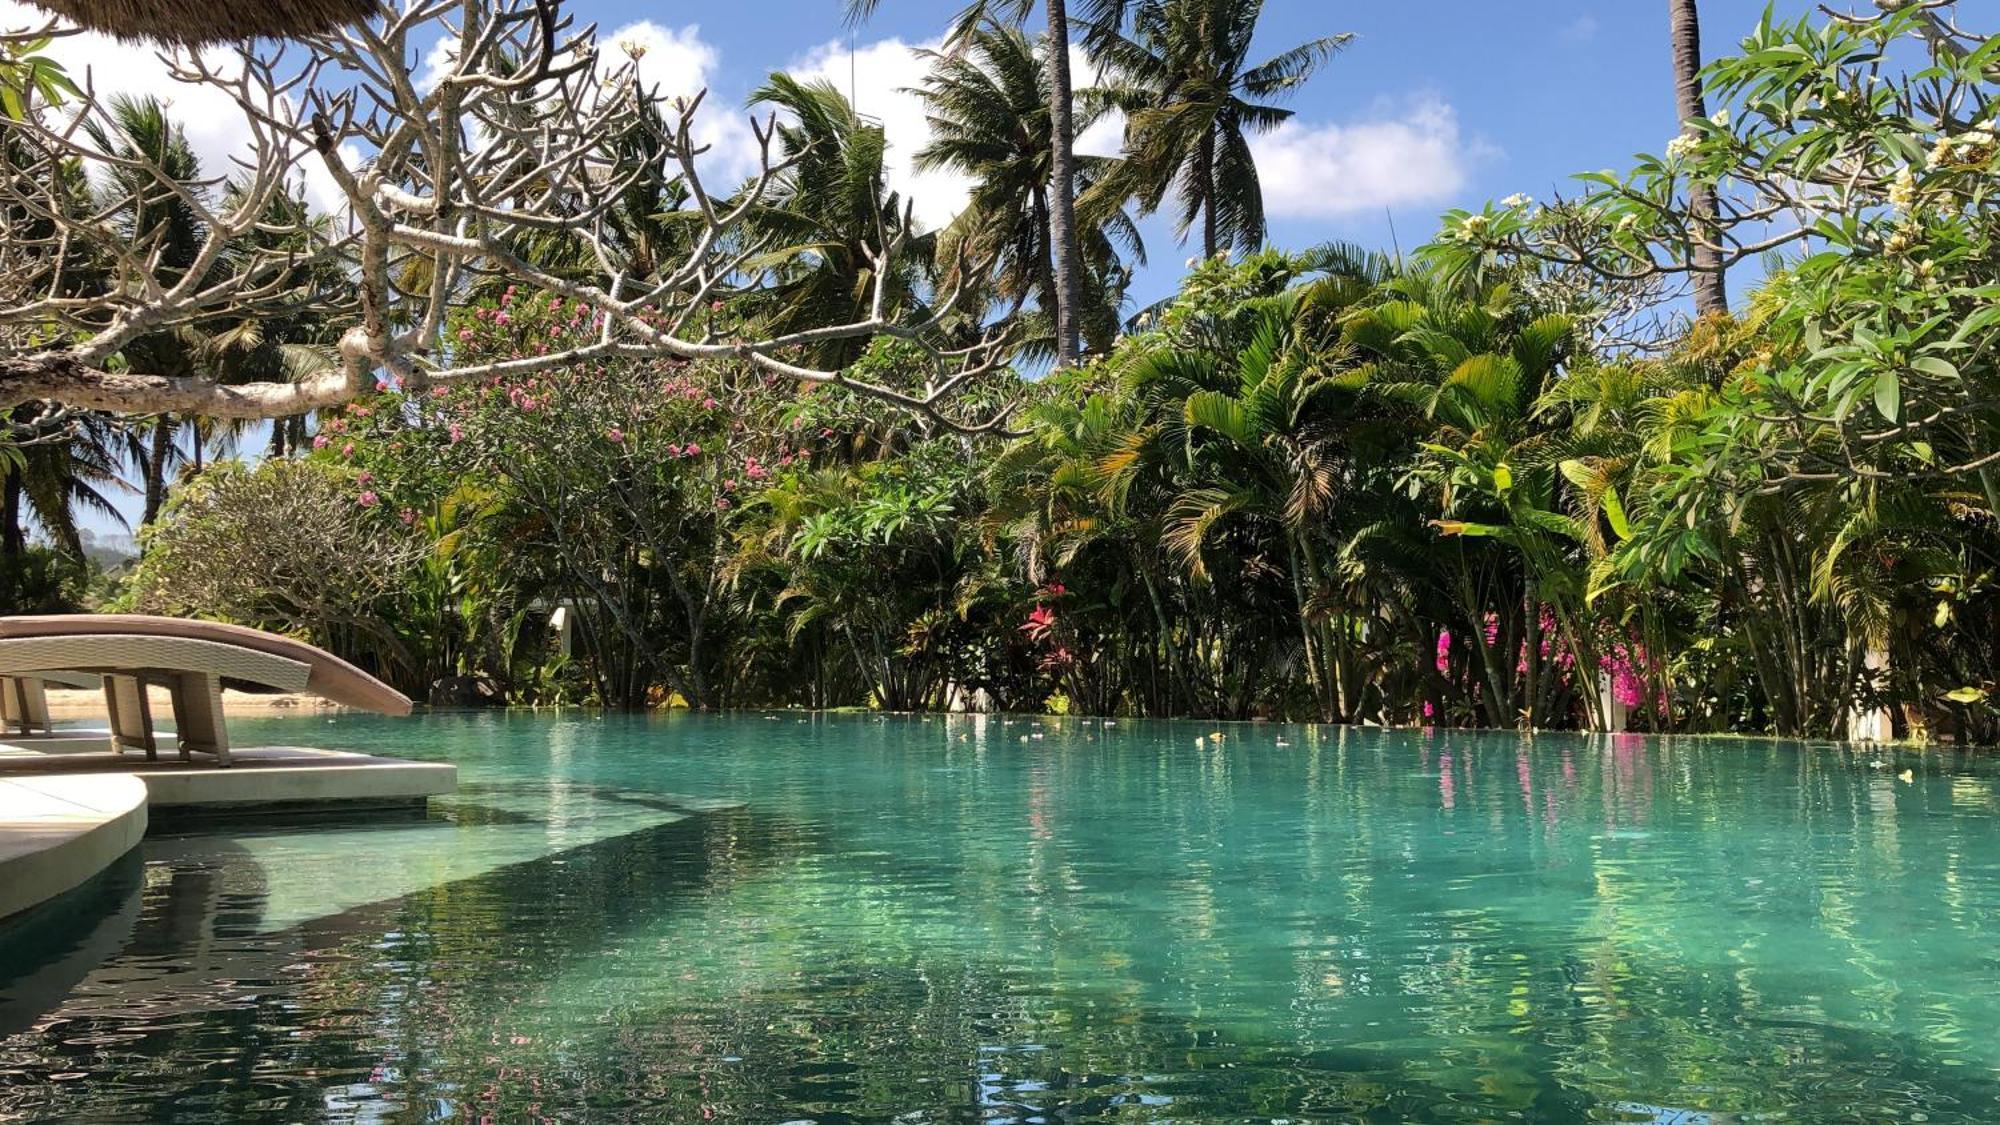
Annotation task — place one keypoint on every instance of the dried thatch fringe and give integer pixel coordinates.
(201, 22)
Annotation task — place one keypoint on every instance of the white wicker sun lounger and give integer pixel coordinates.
(191, 659)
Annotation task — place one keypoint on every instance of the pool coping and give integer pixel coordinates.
(57, 831)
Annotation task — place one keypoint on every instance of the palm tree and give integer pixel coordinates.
(1062, 139)
(826, 216)
(1705, 258)
(1184, 81)
(154, 157)
(53, 481)
(988, 105)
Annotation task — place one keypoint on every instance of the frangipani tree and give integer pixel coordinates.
(443, 184)
(1857, 154)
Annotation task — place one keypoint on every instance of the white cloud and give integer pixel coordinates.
(211, 120)
(1412, 154)
(1580, 30)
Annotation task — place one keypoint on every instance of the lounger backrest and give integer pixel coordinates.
(326, 675)
(112, 652)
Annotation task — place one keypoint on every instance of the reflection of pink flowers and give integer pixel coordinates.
(368, 499)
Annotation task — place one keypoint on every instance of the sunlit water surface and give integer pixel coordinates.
(766, 918)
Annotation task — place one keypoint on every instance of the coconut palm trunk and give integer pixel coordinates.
(1704, 258)
(1062, 193)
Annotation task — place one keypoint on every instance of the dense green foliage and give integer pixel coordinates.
(1503, 482)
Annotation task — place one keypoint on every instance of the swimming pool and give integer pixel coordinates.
(847, 918)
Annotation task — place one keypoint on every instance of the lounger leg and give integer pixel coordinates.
(13, 705)
(131, 715)
(34, 704)
(198, 715)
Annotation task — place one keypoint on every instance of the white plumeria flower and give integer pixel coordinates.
(1903, 192)
(1518, 200)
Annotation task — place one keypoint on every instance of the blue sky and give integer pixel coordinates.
(1435, 104)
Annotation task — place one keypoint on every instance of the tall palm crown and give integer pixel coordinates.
(1192, 100)
(826, 216)
(988, 106)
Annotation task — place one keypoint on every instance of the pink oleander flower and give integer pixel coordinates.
(368, 499)
(457, 433)
(319, 441)
(465, 333)
(694, 449)
(614, 435)
(708, 404)
(408, 516)
(347, 450)
(364, 477)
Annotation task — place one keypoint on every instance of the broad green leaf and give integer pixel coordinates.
(1615, 512)
(1889, 396)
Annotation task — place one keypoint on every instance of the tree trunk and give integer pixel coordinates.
(1710, 293)
(1062, 193)
(13, 539)
(1205, 166)
(156, 468)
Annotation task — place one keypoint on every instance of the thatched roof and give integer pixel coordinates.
(200, 22)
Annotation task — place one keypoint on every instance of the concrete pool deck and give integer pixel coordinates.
(69, 807)
(59, 830)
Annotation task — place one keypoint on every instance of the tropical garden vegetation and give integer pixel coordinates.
(1540, 472)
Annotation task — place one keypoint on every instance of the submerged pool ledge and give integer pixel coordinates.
(57, 831)
(69, 807)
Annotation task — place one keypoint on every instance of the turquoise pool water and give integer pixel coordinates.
(856, 918)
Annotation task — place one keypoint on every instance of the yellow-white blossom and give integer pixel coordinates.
(1903, 191)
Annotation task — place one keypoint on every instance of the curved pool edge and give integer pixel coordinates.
(58, 832)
